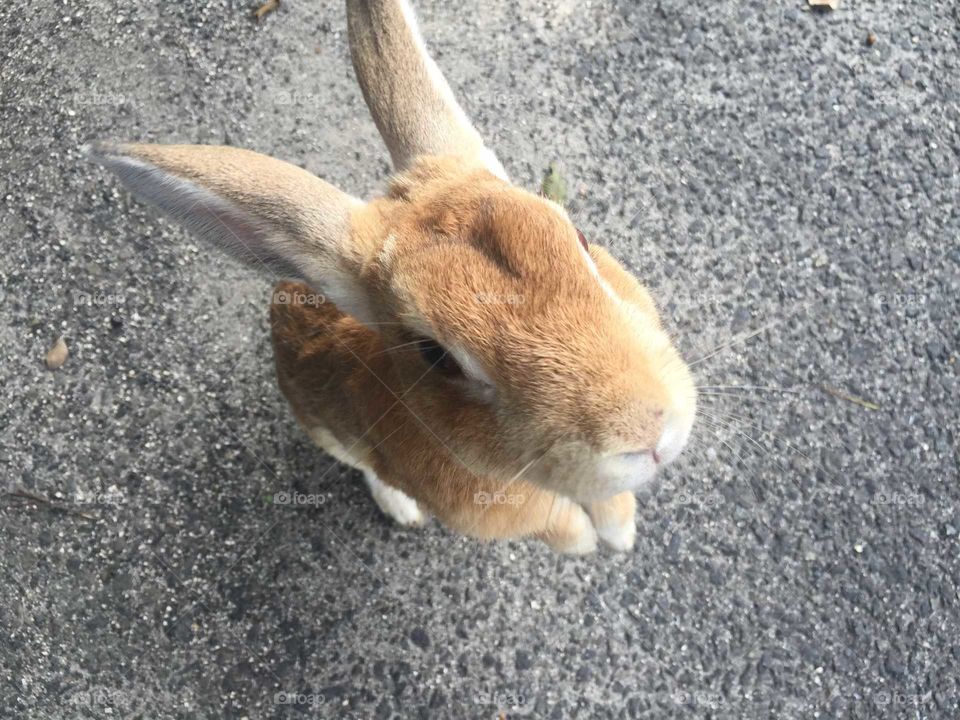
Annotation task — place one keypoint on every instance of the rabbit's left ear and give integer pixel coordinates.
(272, 215)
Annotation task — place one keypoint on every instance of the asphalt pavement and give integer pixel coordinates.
(761, 166)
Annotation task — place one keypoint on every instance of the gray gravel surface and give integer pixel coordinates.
(757, 164)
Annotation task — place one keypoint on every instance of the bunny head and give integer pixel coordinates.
(525, 349)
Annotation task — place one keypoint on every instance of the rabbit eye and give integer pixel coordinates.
(582, 238)
(438, 358)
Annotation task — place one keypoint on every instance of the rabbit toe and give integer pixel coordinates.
(570, 530)
(394, 503)
(618, 536)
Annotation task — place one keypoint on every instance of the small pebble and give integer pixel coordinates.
(57, 355)
(522, 660)
(420, 638)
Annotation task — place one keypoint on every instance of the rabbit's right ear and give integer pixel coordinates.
(407, 95)
(272, 215)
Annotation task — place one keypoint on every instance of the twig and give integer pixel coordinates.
(849, 398)
(27, 495)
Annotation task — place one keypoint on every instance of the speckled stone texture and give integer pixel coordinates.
(757, 164)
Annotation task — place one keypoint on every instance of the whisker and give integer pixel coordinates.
(503, 489)
(751, 334)
(397, 347)
(747, 476)
(715, 428)
(790, 446)
(382, 322)
(765, 450)
(553, 504)
(327, 327)
(390, 435)
(741, 398)
(748, 387)
(735, 341)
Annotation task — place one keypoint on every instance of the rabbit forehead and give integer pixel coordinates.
(569, 324)
(521, 233)
(486, 243)
(492, 278)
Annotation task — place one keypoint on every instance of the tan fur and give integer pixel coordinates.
(408, 97)
(570, 385)
(565, 357)
(341, 383)
(480, 264)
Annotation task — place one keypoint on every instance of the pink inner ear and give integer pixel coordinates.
(582, 238)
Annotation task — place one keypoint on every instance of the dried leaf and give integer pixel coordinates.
(58, 354)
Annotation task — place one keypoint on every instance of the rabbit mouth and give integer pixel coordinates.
(626, 472)
(592, 476)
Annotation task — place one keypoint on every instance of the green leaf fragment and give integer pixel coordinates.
(554, 186)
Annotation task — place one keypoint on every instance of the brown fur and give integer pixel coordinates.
(480, 264)
(336, 375)
(569, 377)
(459, 236)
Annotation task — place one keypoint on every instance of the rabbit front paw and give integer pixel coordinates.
(569, 529)
(614, 521)
(394, 503)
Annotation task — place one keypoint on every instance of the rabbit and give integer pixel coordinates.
(457, 340)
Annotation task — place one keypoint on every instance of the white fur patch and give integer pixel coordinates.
(471, 368)
(590, 263)
(385, 256)
(619, 537)
(394, 503)
(577, 535)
